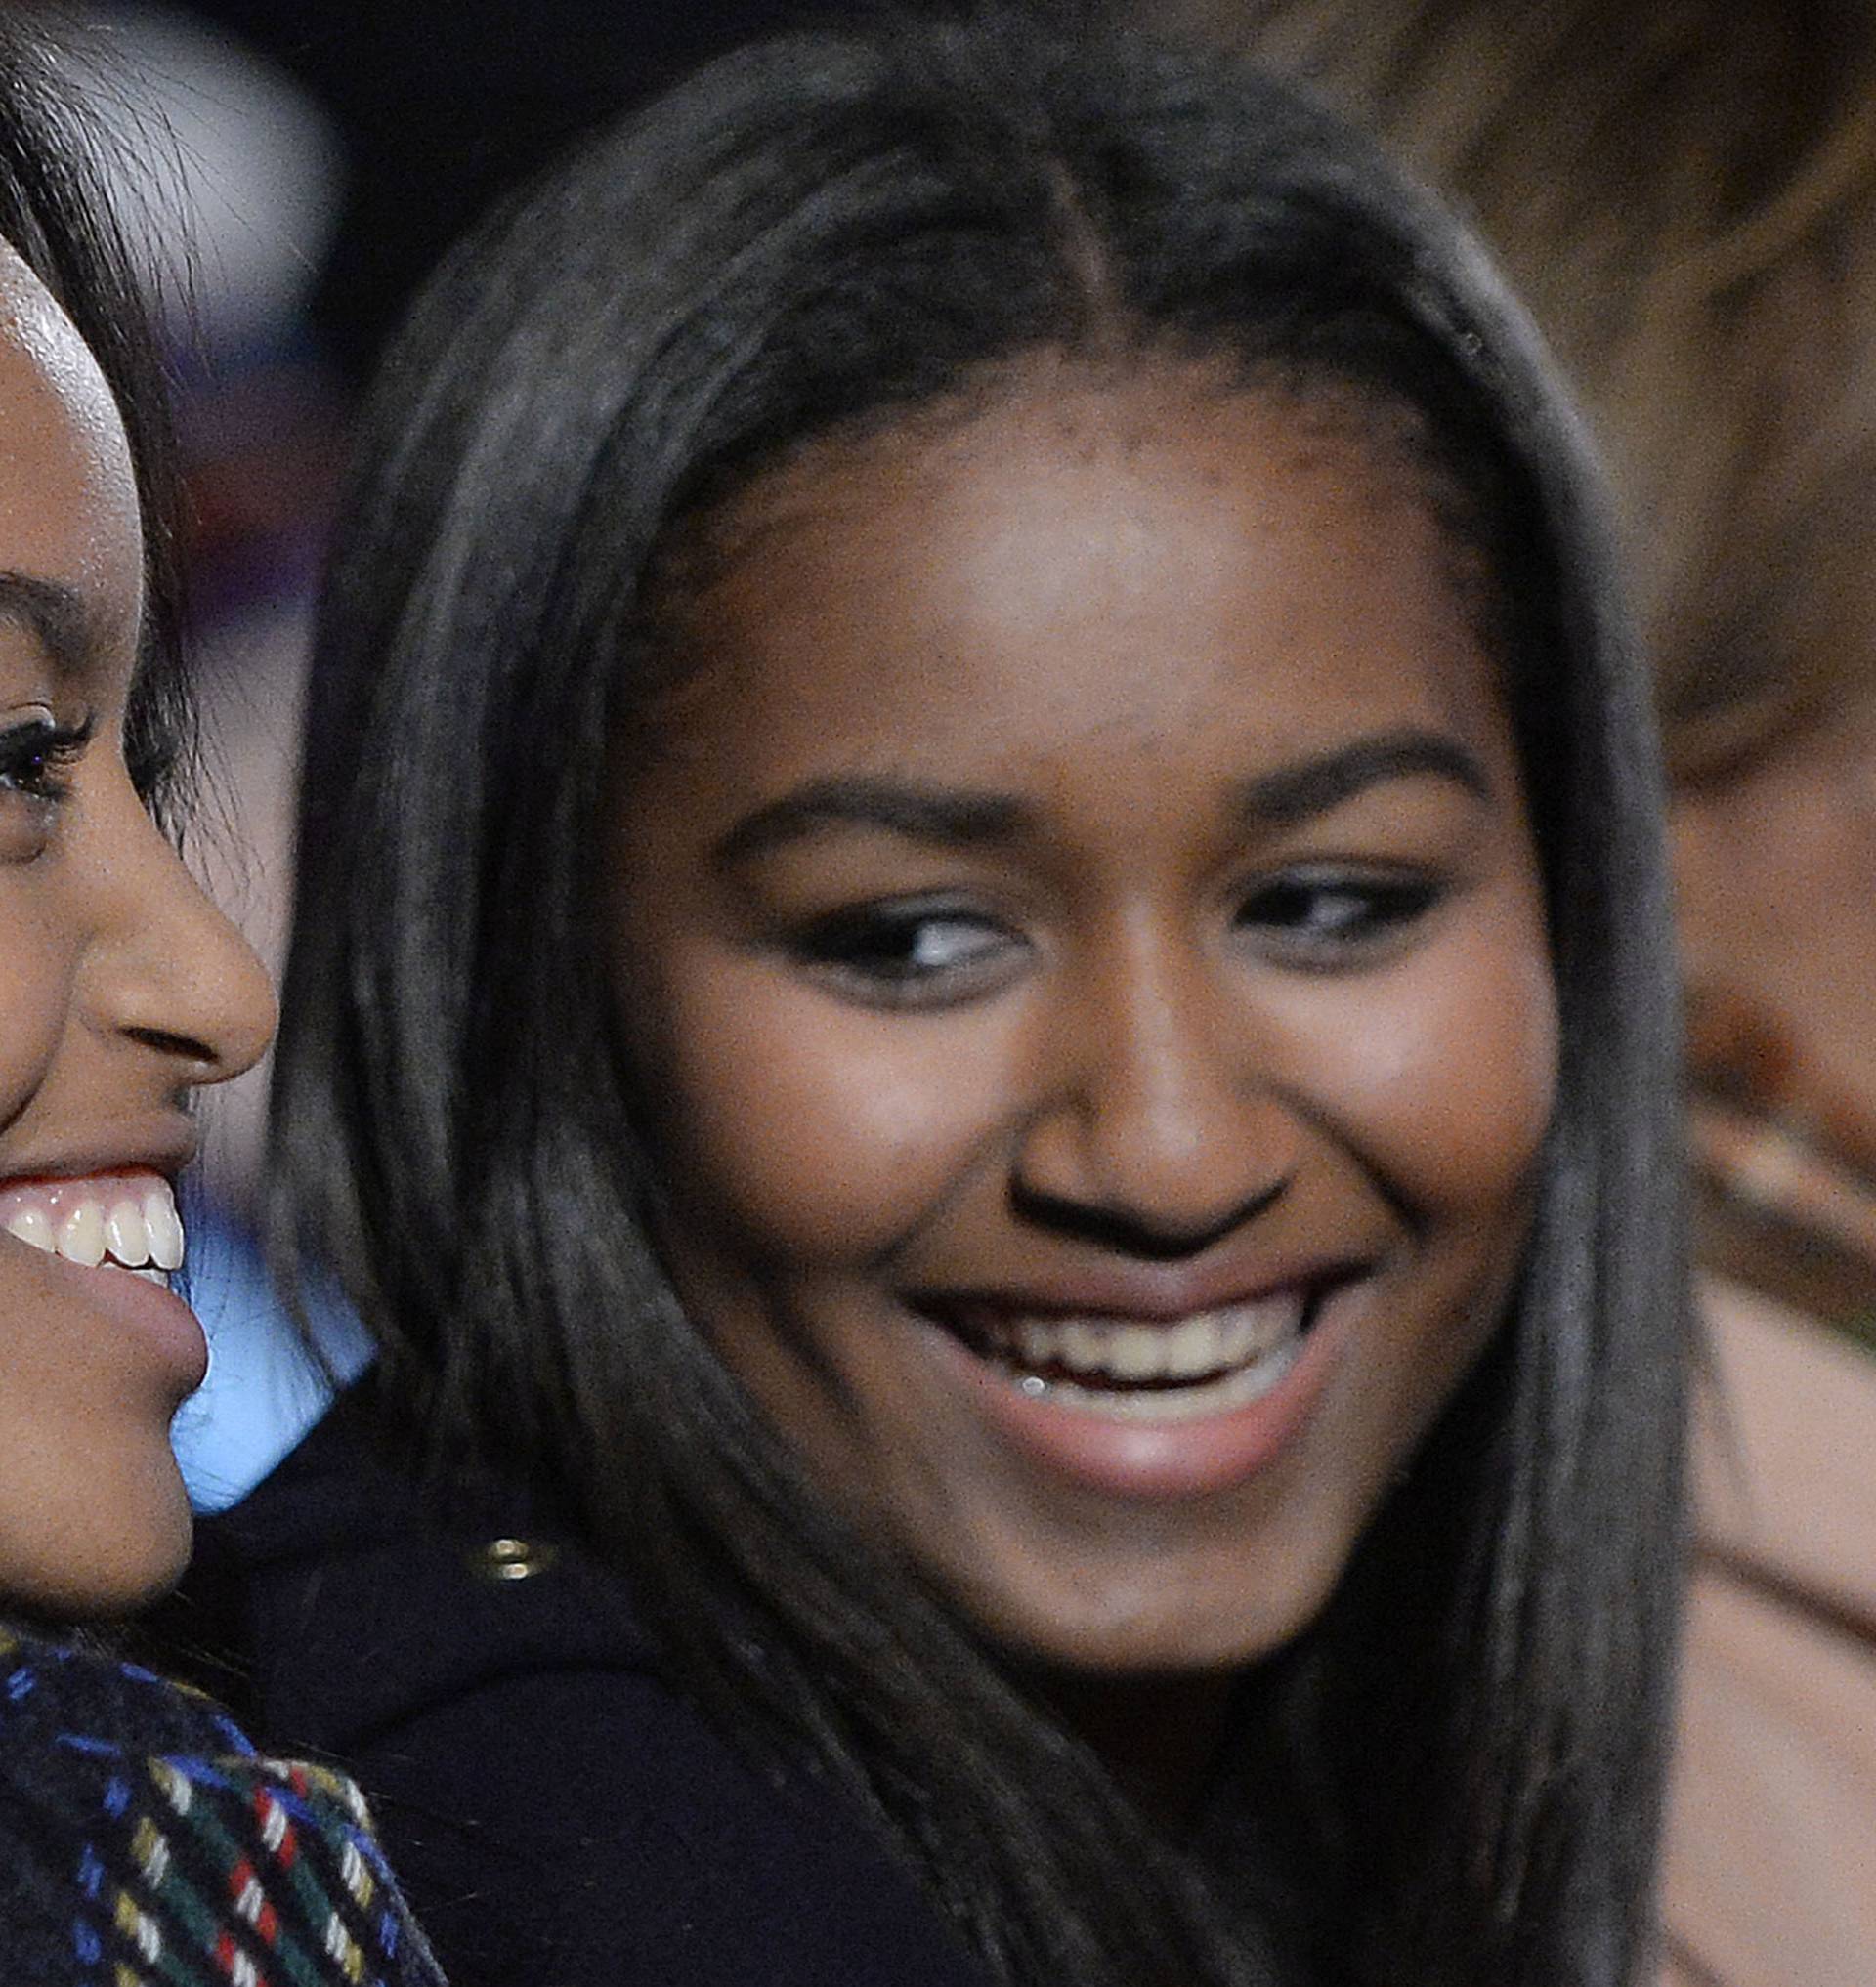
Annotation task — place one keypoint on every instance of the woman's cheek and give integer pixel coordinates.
(1491, 1073)
(1446, 1074)
(32, 1012)
(826, 1130)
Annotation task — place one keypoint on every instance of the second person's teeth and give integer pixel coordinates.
(1135, 1355)
(1083, 1344)
(1199, 1345)
(1237, 1337)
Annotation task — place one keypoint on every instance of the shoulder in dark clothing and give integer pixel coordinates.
(554, 1807)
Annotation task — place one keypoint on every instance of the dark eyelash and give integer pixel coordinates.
(36, 757)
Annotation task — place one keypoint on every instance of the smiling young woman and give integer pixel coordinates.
(140, 1836)
(1084, 848)
(981, 1007)
(122, 990)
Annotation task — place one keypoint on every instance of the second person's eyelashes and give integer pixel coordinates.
(1336, 917)
(918, 953)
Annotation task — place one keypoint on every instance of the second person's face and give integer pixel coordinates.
(1078, 933)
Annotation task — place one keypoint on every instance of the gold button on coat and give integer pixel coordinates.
(505, 1559)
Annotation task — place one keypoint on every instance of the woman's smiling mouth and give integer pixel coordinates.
(1140, 1369)
(1141, 1390)
(111, 1239)
(119, 1220)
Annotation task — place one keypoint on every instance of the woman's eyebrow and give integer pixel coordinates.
(53, 615)
(952, 816)
(1297, 792)
(970, 817)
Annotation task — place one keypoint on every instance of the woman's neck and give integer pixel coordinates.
(1159, 1736)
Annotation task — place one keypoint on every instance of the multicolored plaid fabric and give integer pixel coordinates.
(143, 1843)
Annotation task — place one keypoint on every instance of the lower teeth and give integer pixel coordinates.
(1236, 1389)
(150, 1275)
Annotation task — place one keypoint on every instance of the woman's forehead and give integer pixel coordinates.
(1138, 562)
(69, 510)
(1012, 444)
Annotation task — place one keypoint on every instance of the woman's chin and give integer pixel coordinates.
(109, 1556)
(1130, 1616)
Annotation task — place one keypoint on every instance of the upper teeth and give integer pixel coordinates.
(1207, 1343)
(129, 1219)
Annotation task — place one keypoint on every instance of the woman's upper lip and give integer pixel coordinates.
(165, 1151)
(1145, 1293)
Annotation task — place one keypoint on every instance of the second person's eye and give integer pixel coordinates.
(903, 955)
(1333, 917)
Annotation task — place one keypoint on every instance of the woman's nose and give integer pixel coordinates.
(165, 969)
(1154, 1118)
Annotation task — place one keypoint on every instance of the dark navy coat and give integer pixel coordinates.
(559, 1815)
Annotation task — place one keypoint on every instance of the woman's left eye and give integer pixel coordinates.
(1337, 916)
(36, 755)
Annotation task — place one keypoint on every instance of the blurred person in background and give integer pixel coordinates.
(1686, 194)
(442, 106)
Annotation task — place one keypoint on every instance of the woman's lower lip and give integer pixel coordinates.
(158, 1317)
(1151, 1460)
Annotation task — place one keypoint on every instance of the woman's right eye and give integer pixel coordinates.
(36, 756)
(908, 954)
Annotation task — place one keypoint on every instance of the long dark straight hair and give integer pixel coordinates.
(56, 211)
(1459, 1765)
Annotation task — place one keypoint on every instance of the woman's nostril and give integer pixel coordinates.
(1163, 1236)
(182, 1047)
